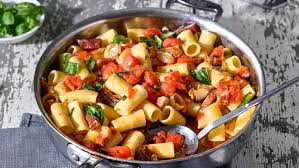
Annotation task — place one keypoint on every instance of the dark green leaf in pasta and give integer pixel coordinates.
(124, 97)
(158, 86)
(87, 86)
(99, 85)
(149, 41)
(158, 41)
(201, 75)
(90, 64)
(118, 39)
(8, 18)
(245, 99)
(167, 34)
(71, 68)
(96, 111)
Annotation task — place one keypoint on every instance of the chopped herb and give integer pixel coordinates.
(158, 86)
(103, 151)
(149, 41)
(69, 67)
(201, 75)
(99, 85)
(170, 70)
(96, 111)
(87, 86)
(124, 98)
(118, 39)
(158, 41)
(90, 64)
(167, 34)
(245, 99)
(71, 112)
(121, 73)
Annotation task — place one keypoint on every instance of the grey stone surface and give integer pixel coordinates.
(273, 35)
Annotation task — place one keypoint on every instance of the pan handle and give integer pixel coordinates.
(86, 160)
(201, 5)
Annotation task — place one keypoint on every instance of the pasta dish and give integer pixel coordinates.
(109, 91)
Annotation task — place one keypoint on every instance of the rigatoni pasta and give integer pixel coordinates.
(111, 90)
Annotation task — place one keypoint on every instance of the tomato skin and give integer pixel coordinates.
(229, 91)
(92, 122)
(149, 78)
(208, 100)
(171, 42)
(83, 55)
(109, 69)
(137, 70)
(89, 144)
(189, 79)
(88, 44)
(167, 88)
(176, 139)
(216, 58)
(131, 92)
(129, 62)
(73, 82)
(243, 72)
(119, 151)
(185, 59)
(130, 78)
(152, 31)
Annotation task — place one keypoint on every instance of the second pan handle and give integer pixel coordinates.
(201, 5)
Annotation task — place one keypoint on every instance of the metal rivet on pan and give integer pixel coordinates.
(75, 157)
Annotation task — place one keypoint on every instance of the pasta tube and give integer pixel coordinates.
(109, 112)
(117, 85)
(151, 111)
(206, 65)
(193, 108)
(190, 46)
(212, 113)
(243, 119)
(92, 135)
(133, 140)
(82, 70)
(55, 77)
(177, 102)
(134, 34)
(170, 116)
(61, 118)
(61, 89)
(230, 127)
(83, 96)
(181, 67)
(107, 37)
(115, 139)
(233, 63)
(140, 52)
(207, 40)
(128, 122)
(216, 77)
(244, 91)
(77, 117)
(125, 107)
(73, 49)
(163, 150)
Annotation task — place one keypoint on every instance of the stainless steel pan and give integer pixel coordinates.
(143, 18)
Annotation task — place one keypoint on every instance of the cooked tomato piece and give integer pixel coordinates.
(131, 92)
(130, 78)
(129, 62)
(104, 136)
(242, 81)
(171, 42)
(216, 57)
(83, 55)
(177, 140)
(229, 91)
(89, 144)
(137, 70)
(109, 69)
(127, 45)
(167, 88)
(185, 59)
(160, 137)
(189, 79)
(88, 44)
(209, 100)
(73, 82)
(119, 151)
(152, 31)
(176, 80)
(92, 122)
(243, 72)
(149, 78)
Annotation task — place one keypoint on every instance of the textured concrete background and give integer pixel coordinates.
(273, 35)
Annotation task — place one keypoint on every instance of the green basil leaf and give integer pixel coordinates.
(90, 64)
(21, 29)
(96, 111)
(158, 86)
(121, 73)
(99, 85)
(31, 22)
(245, 100)
(87, 86)
(8, 18)
(167, 34)
(118, 39)
(124, 97)
(201, 75)
(158, 41)
(71, 68)
(149, 41)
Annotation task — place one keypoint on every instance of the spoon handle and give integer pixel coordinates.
(244, 108)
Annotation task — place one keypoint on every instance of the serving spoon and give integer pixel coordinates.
(191, 139)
